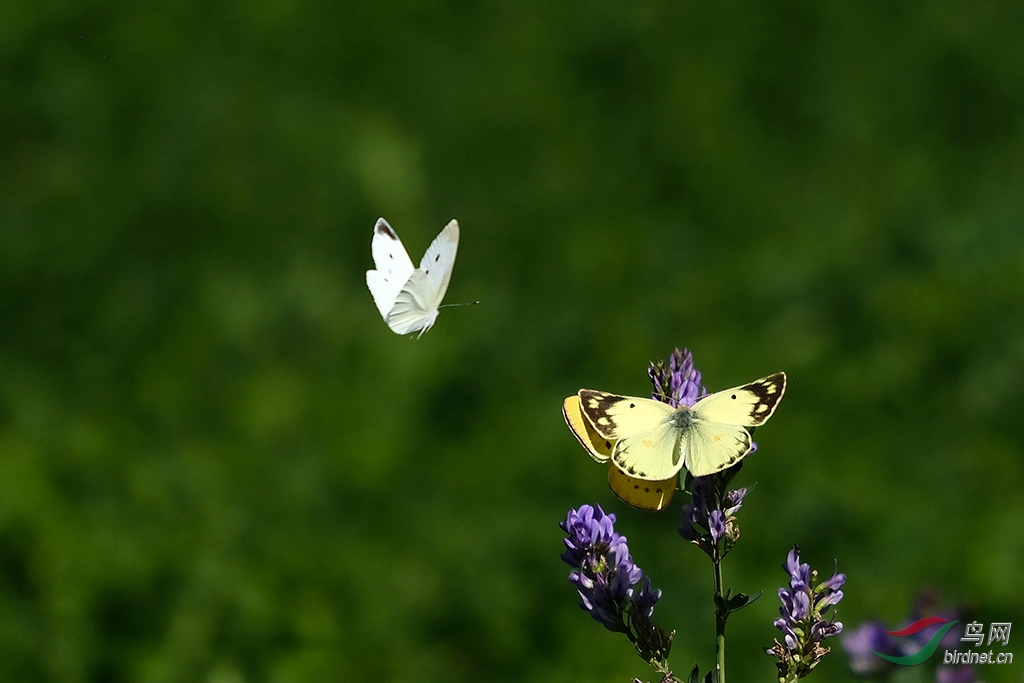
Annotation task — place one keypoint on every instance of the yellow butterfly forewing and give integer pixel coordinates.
(599, 448)
(645, 495)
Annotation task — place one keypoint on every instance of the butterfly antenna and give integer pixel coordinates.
(470, 303)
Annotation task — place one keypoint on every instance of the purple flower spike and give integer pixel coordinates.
(709, 519)
(678, 383)
(611, 587)
(603, 571)
(802, 621)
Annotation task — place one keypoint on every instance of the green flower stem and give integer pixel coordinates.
(721, 614)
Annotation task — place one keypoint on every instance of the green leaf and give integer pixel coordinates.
(741, 600)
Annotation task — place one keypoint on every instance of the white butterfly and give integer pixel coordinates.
(651, 440)
(408, 298)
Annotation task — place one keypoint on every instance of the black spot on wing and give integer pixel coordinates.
(646, 487)
(384, 229)
(768, 391)
(596, 406)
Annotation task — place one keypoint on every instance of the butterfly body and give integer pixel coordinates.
(408, 298)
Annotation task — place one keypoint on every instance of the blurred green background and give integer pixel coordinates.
(218, 464)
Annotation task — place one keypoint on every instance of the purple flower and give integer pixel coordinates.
(863, 642)
(588, 530)
(678, 383)
(645, 597)
(716, 525)
(955, 674)
(804, 604)
(734, 500)
(603, 571)
(709, 517)
(609, 582)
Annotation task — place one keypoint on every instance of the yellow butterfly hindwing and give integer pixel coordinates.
(645, 495)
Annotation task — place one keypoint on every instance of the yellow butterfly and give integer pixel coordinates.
(650, 441)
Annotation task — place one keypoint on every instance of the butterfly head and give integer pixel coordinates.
(682, 418)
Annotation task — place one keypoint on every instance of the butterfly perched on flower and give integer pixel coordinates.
(648, 442)
(409, 298)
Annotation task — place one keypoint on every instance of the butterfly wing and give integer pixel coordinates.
(599, 448)
(437, 264)
(749, 405)
(653, 454)
(394, 267)
(415, 306)
(410, 312)
(713, 446)
(646, 439)
(645, 495)
(717, 437)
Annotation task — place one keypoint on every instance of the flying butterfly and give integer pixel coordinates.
(652, 441)
(409, 298)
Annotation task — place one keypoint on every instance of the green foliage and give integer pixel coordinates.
(216, 462)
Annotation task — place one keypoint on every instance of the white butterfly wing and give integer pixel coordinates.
(416, 306)
(647, 440)
(437, 264)
(394, 267)
(410, 312)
